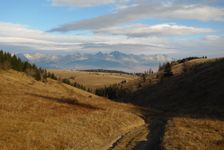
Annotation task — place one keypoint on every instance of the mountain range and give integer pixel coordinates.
(114, 60)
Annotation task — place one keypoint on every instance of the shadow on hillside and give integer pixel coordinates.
(69, 101)
(197, 94)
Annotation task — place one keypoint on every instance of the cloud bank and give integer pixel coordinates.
(148, 10)
(176, 27)
(141, 30)
(155, 41)
(18, 35)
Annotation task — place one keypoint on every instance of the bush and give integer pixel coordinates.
(66, 81)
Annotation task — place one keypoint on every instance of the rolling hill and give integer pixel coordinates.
(53, 115)
(181, 110)
(184, 110)
(93, 80)
(200, 86)
(190, 106)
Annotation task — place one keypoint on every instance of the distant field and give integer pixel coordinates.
(94, 80)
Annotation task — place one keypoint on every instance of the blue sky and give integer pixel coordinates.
(42, 15)
(178, 28)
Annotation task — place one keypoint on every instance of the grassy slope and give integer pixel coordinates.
(192, 105)
(186, 92)
(94, 80)
(53, 115)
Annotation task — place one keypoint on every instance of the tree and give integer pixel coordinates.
(144, 77)
(37, 76)
(167, 70)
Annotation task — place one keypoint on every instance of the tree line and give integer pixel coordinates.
(75, 84)
(114, 92)
(9, 61)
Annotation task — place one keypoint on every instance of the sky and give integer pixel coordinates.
(178, 28)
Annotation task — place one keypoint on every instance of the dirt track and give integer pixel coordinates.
(129, 140)
(146, 137)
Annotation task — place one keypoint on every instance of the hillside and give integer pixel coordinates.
(184, 109)
(94, 80)
(53, 115)
(201, 84)
(190, 106)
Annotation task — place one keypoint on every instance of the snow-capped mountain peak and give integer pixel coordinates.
(115, 60)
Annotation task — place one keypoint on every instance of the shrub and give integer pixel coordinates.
(66, 81)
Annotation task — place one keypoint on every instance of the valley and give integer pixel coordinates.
(112, 75)
(178, 107)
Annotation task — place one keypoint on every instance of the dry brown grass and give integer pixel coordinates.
(178, 69)
(194, 134)
(191, 107)
(52, 115)
(94, 80)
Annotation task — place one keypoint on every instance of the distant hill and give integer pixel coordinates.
(113, 61)
(93, 79)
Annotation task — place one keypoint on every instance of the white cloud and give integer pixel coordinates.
(18, 37)
(211, 45)
(142, 30)
(147, 10)
(13, 35)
